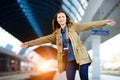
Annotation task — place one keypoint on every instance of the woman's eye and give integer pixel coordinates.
(59, 17)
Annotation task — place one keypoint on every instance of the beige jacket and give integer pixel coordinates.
(81, 55)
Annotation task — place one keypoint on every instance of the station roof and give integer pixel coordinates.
(30, 19)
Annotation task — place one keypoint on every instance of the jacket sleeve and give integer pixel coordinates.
(88, 26)
(42, 40)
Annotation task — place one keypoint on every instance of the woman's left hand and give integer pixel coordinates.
(110, 22)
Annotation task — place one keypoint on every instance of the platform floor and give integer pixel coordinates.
(102, 77)
(53, 75)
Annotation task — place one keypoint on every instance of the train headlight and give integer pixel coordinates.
(48, 66)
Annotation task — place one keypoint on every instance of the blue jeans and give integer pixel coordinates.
(71, 68)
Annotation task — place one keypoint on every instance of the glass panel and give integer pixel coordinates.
(75, 8)
(7, 40)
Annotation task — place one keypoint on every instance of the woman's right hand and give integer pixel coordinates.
(24, 45)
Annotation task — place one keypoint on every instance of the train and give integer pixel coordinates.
(11, 63)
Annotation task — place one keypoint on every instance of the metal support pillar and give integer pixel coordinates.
(96, 40)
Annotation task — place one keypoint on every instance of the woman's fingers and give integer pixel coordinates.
(110, 22)
(24, 45)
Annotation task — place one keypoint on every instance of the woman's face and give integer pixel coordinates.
(61, 18)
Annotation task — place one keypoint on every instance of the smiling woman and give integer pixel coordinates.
(65, 35)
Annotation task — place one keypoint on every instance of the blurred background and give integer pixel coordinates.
(24, 20)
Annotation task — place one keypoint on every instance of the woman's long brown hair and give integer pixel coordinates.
(56, 25)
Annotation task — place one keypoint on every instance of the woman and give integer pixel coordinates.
(66, 37)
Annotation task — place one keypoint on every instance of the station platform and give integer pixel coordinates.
(102, 77)
(19, 76)
(52, 75)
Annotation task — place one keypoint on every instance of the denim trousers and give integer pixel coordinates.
(71, 68)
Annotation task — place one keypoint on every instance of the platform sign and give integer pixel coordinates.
(100, 32)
